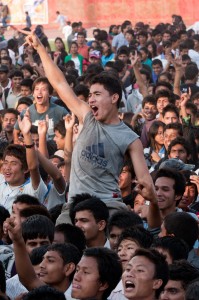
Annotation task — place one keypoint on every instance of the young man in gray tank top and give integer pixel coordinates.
(104, 140)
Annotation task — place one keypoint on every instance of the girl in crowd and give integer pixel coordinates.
(157, 149)
(151, 46)
(107, 53)
(60, 52)
(76, 57)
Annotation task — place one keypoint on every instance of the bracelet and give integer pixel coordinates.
(29, 146)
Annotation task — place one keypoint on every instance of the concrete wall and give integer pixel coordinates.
(105, 12)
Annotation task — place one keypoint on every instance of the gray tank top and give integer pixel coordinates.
(98, 158)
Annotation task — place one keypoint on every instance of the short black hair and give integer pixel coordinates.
(38, 226)
(81, 89)
(4, 214)
(16, 73)
(9, 111)
(183, 271)
(97, 207)
(44, 292)
(192, 291)
(157, 62)
(28, 82)
(109, 267)
(73, 235)
(37, 254)
(78, 198)
(60, 127)
(179, 180)
(149, 99)
(170, 108)
(191, 72)
(110, 83)
(123, 220)
(177, 223)
(27, 199)
(2, 278)
(34, 210)
(138, 234)
(176, 247)
(24, 100)
(181, 141)
(175, 126)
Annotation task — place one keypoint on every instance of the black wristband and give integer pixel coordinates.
(29, 146)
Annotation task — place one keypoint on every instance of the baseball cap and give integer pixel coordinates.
(4, 69)
(95, 54)
(59, 153)
(177, 164)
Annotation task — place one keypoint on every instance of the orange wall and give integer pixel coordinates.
(105, 12)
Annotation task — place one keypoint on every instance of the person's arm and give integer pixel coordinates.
(27, 276)
(54, 173)
(68, 146)
(184, 98)
(42, 132)
(16, 133)
(177, 62)
(142, 86)
(57, 79)
(31, 155)
(145, 185)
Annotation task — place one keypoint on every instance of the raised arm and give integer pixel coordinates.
(42, 132)
(177, 62)
(54, 173)
(145, 185)
(142, 86)
(31, 155)
(25, 270)
(57, 79)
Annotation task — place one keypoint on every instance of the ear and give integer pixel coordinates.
(69, 269)
(157, 283)
(103, 287)
(115, 98)
(101, 225)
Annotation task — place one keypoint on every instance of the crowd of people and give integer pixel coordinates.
(99, 163)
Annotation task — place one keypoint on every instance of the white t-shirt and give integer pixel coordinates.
(9, 193)
(53, 197)
(77, 64)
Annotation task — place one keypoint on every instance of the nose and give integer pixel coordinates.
(77, 276)
(122, 252)
(42, 264)
(164, 296)
(186, 192)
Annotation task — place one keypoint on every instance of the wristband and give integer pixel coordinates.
(30, 146)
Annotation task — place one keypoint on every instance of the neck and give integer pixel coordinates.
(125, 192)
(9, 136)
(74, 55)
(42, 108)
(62, 286)
(167, 211)
(20, 182)
(16, 90)
(158, 147)
(98, 242)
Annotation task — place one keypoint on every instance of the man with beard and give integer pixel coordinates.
(9, 118)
